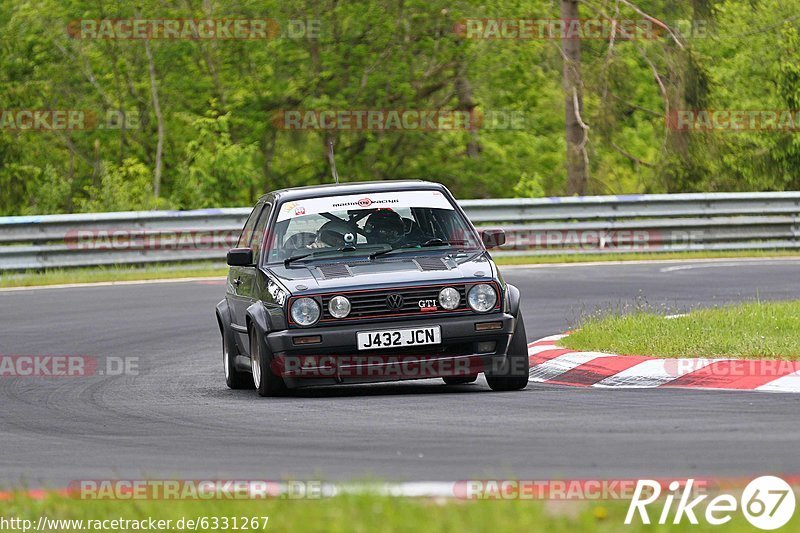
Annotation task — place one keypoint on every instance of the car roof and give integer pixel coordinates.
(355, 187)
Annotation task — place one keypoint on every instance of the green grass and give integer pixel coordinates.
(111, 273)
(208, 269)
(641, 256)
(752, 330)
(367, 513)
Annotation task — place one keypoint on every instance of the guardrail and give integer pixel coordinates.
(534, 226)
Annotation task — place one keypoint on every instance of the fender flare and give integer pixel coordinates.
(257, 316)
(223, 315)
(513, 298)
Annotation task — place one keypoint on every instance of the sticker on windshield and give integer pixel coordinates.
(387, 200)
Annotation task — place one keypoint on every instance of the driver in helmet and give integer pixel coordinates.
(334, 234)
(384, 227)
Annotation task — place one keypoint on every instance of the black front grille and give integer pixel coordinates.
(374, 303)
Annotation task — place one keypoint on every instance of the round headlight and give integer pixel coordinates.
(482, 297)
(339, 307)
(449, 298)
(305, 311)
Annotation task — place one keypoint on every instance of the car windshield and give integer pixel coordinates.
(334, 226)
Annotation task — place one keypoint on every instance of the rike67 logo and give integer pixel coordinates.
(767, 502)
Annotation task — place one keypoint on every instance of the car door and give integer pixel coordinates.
(244, 280)
(234, 294)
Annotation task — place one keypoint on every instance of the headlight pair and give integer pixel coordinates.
(481, 298)
(306, 311)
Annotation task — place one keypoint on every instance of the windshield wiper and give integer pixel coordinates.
(440, 242)
(426, 244)
(288, 260)
(345, 248)
(373, 255)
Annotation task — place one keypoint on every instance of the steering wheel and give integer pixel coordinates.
(300, 240)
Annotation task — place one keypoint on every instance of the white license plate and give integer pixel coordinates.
(398, 338)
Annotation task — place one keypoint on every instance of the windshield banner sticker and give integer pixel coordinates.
(388, 200)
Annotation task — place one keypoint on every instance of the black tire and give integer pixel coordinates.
(512, 374)
(460, 380)
(233, 377)
(266, 382)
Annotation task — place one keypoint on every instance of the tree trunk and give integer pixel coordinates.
(577, 172)
(463, 91)
(159, 120)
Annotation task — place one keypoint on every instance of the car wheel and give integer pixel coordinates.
(266, 382)
(512, 374)
(233, 377)
(460, 380)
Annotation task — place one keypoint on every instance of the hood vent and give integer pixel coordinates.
(431, 263)
(335, 270)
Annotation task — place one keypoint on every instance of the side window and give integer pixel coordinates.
(247, 232)
(258, 232)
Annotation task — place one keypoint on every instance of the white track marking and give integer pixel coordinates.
(109, 284)
(421, 489)
(653, 373)
(646, 262)
(550, 338)
(534, 350)
(416, 489)
(787, 383)
(649, 373)
(728, 263)
(563, 363)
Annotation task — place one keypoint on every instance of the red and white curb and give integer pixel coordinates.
(559, 366)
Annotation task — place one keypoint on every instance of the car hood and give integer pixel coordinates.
(361, 273)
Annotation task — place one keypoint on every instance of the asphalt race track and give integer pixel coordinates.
(176, 419)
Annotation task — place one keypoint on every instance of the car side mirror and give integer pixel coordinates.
(492, 238)
(240, 257)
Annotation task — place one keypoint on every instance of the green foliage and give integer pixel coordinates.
(529, 186)
(219, 97)
(121, 188)
(42, 188)
(216, 171)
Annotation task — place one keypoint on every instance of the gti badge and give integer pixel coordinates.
(427, 305)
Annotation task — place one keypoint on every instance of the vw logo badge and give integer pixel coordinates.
(394, 301)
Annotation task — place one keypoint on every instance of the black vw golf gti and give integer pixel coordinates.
(367, 282)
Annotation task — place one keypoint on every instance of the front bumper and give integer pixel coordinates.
(336, 358)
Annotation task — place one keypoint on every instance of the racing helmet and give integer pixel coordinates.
(384, 227)
(336, 233)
